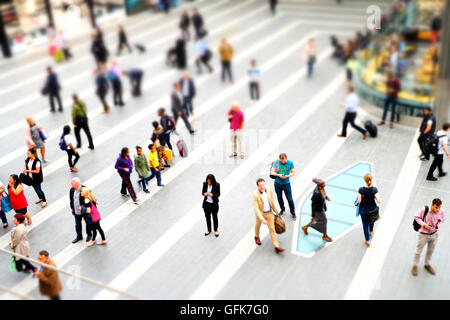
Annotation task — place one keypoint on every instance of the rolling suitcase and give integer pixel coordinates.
(141, 48)
(371, 128)
(181, 145)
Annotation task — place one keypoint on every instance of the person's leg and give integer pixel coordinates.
(119, 90)
(233, 141)
(186, 122)
(69, 157)
(279, 191)
(37, 188)
(288, 192)
(433, 166)
(215, 211)
(88, 133)
(158, 176)
(270, 218)
(386, 108)
(94, 230)
(57, 297)
(52, 103)
(198, 64)
(207, 211)
(394, 105)
(167, 139)
(115, 92)
(309, 68)
(223, 63)
(432, 240)
(352, 122)
(43, 153)
(100, 230)
(78, 227)
(77, 130)
(365, 226)
(77, 157)
(58, 99)
(239, 140)
(440, 162)
(138, 84)
(230, 73)
(3, 218)
(88, 220)
(130, 188)
(420, 244)
(251, 90)
(345, 124)
(257, 227)
(123, 188)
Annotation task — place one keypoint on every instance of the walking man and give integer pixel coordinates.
(351, 106)
(236, 118)
(427, 128)
(197, 21)
(167, 124)
(49, 283)
(226, 54)
(392, 89)
(438, 160)
(188, 90)
(135, 75)
(80, 121)
(255, 76)
(283, 169)
(101, 82)
(75, 205)
(265, 210)
(430, 221)
(53, 88)
(123, 41)
(178, 107)
(203, 55)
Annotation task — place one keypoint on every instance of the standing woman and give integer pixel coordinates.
(318, 209)
(366, 198)
(90, 204)
(69, 142)
(310, 56)
(19, 244)
(33, 170)
(211, 193)
(3, 194)
(33, 137)
(18, 201)
(124, 166)
(184, 25)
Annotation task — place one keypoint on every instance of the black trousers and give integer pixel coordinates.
(254, 90)
(205, 62)
(136, 84)
(211, 209)
(102, 97)
(226, 69)
(188, 105)
(82, 123)
(127, 185)
(117, 92)
(96, 227)
(438, 161)
(52, 97)
(421, 141)
(185, 119)
(273, 5)
(70, 155)
(350, 118)
(3, 217)
(67, 53)
(57, 297)
(123, 44)
(24, 265)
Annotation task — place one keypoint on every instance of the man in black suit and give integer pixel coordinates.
(52, 87)
(197, 21)
(178, 106)
(188, 91)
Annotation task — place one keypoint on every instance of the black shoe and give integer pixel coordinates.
(91, 147)
(76, 240)
(60, 110)
(293, 216)
(52, 110)
(431, 178)
(281, 212)
(443, 174)
(88, 238)
(192, 131)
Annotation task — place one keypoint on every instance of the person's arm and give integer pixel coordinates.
(257, 211)
(37, 170)
(377, 198)
(14, 239)
(242, 120)
(118, 165)
(428, 128)
(216, 191)
(420, 220)
(204, 189)
(445, 147)
(359, 198)
(47, 276)
(17, 190)
(71, 147)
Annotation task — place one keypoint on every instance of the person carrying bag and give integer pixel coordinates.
(367, 206)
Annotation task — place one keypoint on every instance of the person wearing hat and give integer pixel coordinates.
(318, 209)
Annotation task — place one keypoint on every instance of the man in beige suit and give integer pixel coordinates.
(264, 209)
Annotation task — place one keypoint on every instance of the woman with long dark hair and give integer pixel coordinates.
(17, 197)
(124, 166)
(33, 169)
(211, 194)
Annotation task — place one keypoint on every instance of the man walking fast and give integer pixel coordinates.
(178, 107)
(80, 121)
(188, 90)
(351, 106)
(283, 169)
(428, 233)
(265, 208)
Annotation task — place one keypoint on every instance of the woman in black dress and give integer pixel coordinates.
(318, 209)
(211, 193)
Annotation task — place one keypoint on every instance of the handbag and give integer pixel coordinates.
(95, 214)
(44, 91)
(12, 264)
(280, 226)
(5, 203)
(25, 179)
(373, 215)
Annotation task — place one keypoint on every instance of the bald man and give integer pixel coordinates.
(75, 205)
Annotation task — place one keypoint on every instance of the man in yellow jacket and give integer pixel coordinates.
(226, 54)
(265, 210)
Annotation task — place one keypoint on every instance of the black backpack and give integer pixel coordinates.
(415, 224)
(431, 144)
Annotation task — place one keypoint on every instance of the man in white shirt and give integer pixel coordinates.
(351, 107)
(264, 207)
(255, 75)
(439, 156)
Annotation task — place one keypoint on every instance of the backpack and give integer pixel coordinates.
(274, 165)
(416, 226)
(432, 143)
(62, 143)
(171, 124)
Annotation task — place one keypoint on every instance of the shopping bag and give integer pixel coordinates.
(280, 226)
(5, 203)
(12, 264)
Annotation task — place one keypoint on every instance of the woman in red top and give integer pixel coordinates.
(18, 201)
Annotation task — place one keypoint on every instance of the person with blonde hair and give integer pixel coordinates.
(33, 137)
(367, 198)
(90, 208)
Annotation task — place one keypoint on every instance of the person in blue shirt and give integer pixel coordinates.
(283, 169)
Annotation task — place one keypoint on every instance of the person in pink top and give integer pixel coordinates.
(236, 118)
(428, 233)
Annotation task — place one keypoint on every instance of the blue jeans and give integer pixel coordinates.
(39, 192)
(279, 188)
(157, 174)
(387, 102)
(367, 227)
(78, 227)
(310, 68)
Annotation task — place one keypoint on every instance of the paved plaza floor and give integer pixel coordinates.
(158, 250)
